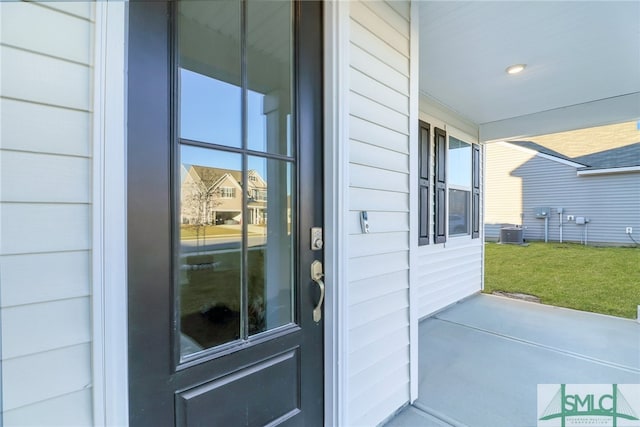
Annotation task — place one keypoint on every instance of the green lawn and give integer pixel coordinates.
(597, 279)
(192, 231)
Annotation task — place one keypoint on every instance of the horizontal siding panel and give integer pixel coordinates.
(29, 177)
(386, 407)
(390, 16)
(29, 228)
(390, 364)
(82, 9)
(402, 7)
(36, 278)
(46, 375)
(397, 38)
(73, 409)
(47, 31)
(377, 243)
(454, 277)
(368, 333)
(376, 287)
(43, 79)
(367, 357)
(33, 127)
(375, 200)
(376, 91)
(35, 328)
(437, 279)
(429, 304)
(457, 286)
(373, 178)
(448, 275)
(379, 222)
(451, 270)
(377, 265)
(368, 39)
(375, 68)
(390, 393)
(427, 258)
(368, 311)
(379, 136)
(370, 110)
(381, 158)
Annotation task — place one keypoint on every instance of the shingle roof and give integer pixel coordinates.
(541, 149)
(626, 156)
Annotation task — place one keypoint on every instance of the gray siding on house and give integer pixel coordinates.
(519, 182)
(45, 208)
(378, 183)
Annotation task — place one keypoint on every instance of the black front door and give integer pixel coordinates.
(224, 187)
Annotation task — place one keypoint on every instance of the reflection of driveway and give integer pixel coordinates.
(219, 243)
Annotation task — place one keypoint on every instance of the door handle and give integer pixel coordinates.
(316, 276)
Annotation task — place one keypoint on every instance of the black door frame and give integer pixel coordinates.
(149, 197)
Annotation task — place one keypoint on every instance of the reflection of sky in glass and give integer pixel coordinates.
(459, 162)
(210, 111)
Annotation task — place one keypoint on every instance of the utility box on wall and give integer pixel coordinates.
(543, 212)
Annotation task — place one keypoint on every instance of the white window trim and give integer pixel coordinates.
(109, 252)
(467, 139)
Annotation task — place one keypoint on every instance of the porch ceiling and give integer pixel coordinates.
(577, 53)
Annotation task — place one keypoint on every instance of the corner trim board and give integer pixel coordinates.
(109, 276)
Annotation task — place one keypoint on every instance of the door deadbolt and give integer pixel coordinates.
(316, 239)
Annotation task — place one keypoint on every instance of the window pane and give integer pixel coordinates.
(210, 99)
(458, 212)
(271, 244)
(459, 163)
(269, 65)
(210, 250)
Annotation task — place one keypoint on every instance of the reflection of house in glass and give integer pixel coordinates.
(213, 196)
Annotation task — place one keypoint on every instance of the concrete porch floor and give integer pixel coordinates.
(482, 359)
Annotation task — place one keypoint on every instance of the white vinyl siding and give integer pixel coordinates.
(448, 272)
(379, 184)
(45, 212)
(519, 181)
(448, 275)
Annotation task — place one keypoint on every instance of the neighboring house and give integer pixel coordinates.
(601, 187)
(375, 190)
(213, 196)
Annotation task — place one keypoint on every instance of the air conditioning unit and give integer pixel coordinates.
(511, 235)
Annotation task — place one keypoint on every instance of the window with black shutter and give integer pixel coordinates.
(424, 180)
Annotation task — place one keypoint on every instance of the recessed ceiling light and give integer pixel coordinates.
(515, 69)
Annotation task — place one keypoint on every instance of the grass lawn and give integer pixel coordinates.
(597, 279)
(192, 231)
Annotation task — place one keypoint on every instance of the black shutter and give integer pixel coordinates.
(423, 184)
(440, 195)
(475, 210)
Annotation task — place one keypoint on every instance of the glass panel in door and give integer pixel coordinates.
(235, 216)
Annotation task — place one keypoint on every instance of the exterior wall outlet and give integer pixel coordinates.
(629, 230)
(570, 217)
